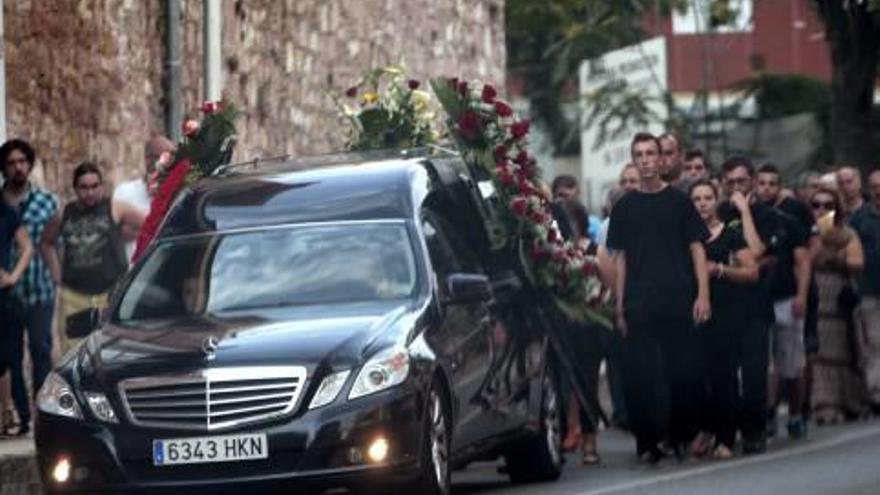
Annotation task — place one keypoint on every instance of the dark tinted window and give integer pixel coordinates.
(316, 264)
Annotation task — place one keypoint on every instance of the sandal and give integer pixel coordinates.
(722, 453)
(701, 445)
(590, 455)
(9, 424)
(572, 441)
(591, 458)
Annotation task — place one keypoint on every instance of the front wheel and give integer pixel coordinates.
(435, 477)
(539, 457)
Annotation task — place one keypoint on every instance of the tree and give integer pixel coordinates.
(547, 41)
(852, 29)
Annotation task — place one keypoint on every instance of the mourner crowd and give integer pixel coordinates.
(734, 296)
(73, 255)
(733, 293)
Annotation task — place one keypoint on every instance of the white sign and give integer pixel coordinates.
(643, 68)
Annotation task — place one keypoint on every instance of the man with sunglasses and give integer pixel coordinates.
(866, 222)
(779, 303)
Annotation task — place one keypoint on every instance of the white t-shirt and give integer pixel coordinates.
(133, 192)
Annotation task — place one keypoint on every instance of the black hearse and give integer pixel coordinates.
(317, 323)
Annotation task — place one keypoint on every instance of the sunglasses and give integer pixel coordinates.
(823, 205)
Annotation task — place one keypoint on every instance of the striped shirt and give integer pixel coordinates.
(36, 286)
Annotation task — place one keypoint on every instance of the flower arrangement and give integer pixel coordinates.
(206, 145)
(385, 109)
(494, 143)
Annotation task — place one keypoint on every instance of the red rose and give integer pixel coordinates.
(190, 128)
(489, 94)
(503, 109)
(529, 168)
(500, 154)
(589, 269)
(210, 107)
(463, 88)
(538, 254)
(537, 217)
(469, 125)
(552, 236)
(560, 256)
(519, 205)
(522, 158)
(525, 187)
(519, 129)
(352, 92)
(505, 176)
(413, 84)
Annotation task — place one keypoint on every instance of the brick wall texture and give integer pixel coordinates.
(85, 77)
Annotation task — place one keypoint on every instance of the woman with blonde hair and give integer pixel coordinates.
(837, 389)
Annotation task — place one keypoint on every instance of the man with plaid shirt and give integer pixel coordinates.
(33, 301)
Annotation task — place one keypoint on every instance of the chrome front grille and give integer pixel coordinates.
(213, 399)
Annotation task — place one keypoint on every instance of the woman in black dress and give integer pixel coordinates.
(731, 265)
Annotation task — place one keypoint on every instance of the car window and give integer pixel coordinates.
(447, 251)
(304, 265)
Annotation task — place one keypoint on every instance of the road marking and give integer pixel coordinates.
(744, 461)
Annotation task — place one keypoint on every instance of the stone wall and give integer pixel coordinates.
(84, 78)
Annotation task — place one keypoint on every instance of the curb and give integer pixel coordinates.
(19, 475)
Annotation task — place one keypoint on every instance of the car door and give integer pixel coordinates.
(463, 337)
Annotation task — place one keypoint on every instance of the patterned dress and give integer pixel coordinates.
(837, 388)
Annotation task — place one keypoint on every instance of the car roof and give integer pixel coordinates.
(342, 187)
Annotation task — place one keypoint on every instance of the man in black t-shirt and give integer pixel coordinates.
(662, 291)
(780, 302)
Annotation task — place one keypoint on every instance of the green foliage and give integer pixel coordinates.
(212, 145)
(390, 112)
(547, 41)
(781, 95)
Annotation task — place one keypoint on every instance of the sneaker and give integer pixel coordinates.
(797, 428)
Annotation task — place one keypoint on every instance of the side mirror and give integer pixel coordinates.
(465, 288)
(81, 324)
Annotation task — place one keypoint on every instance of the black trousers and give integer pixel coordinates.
(663, 380)
(753, 349)
(719, 338)
(586, 348)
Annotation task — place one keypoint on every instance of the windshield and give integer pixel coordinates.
(301, 265)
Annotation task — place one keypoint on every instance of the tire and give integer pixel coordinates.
(539, 457)
(435, 477)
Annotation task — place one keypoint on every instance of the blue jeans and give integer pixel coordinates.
(37, 320)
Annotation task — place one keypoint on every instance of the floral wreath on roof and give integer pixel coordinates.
(206, 145)
(394, 113)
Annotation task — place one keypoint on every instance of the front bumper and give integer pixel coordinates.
(311, 448)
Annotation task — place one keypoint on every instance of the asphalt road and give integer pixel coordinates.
(840, 460)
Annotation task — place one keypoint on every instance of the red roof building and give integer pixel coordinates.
(778, 36)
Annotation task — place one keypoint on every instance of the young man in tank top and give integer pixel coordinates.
(92, 245)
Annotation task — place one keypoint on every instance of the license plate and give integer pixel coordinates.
(200, 450)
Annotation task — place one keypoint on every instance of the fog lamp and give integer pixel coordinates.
(61, 471)
(378, 450)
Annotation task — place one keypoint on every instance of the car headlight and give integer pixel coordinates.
(329, 389)
(384, 370)
(56, 397)
(101, 407)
